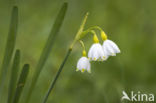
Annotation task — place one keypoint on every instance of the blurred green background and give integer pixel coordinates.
(129, 23)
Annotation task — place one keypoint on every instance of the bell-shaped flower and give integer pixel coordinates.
(96, 52)
(83, 65)
(110, 48)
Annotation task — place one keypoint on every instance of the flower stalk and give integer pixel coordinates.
(82, 44)
(79, 34)
(77, 37)
(56, 77)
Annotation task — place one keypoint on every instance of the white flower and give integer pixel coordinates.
(110, 48)
(83, 65)
(96, 52)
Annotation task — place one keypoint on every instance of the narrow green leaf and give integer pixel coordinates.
(48, 46)
(9, 48)
(14, 76)
(21, 83)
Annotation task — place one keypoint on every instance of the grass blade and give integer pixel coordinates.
(9, 48)
(21, 83)
(14, 76)
(48, 46)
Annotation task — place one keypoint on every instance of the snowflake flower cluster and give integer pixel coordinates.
(97, 52)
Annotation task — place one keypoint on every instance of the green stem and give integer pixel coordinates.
(82, 44)
(79, 34)
(56, 77)
(77, 37)
(90, 30)
(94, 28)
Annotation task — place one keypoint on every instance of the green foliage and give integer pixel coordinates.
(129, 23)
(14, 76)
(48, 46)
(21, 83)
(11, 40)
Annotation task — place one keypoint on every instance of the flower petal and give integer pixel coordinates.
(109, 49)
(114, 46)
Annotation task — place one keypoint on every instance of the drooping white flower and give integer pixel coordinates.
(83, 65)
(110, 48)
(96, 53)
